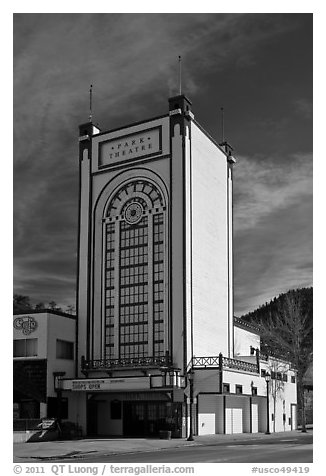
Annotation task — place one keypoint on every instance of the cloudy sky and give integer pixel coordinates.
(257, 66)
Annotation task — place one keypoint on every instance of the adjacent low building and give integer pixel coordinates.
(44, 346)
(232, 393)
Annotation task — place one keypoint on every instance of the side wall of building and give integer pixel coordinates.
(210, 265)
(243, 341)
(40, 332)
(64, 329)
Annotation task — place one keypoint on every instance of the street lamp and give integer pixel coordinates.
(58, 389)
(191, 384)
(267, 378)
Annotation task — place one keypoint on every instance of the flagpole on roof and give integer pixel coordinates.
(90, 103)
(180, 88)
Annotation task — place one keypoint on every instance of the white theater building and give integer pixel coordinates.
(158, 347)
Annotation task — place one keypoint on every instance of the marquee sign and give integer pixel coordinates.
(26, 324)
(105, 384)
(133, 146)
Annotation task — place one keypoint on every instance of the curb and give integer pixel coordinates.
(208, 440)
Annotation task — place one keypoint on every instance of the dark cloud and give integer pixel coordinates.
(247, 62)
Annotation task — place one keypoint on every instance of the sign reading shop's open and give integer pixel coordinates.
(107, 384)
(142, 144)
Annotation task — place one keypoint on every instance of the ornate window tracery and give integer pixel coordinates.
(135, 272)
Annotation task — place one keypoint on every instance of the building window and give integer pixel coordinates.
(65, 350)
(134, 289)
(115, 410)
(25, 348)
(158, 279)
(279, 376)
(292, 378)
(238, 389)
(53, 408)
(29, 409)
(134, 272)
(226, 388)
(109, 290)
(263, 373)
(285, 378)
(253, 390)
(273, 375)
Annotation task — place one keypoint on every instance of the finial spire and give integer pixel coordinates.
(90, 103)
(180, 88)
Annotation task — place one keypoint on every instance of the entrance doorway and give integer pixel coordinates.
(143, 418)
(148, 418)
(92, 416)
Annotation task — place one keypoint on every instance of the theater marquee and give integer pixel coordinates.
(106, 384)
(142, 144)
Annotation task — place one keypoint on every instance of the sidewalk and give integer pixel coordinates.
(77, 449)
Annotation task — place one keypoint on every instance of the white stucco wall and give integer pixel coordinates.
(62, 328)
(209, 246)
(40, 333)
(50, 327)
(247, 380)
(281, 395)
(243, 340)
(284, 396)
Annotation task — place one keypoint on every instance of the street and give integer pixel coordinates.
(280, 451)
(296, 448)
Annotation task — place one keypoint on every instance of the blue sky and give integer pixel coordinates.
(257, 66)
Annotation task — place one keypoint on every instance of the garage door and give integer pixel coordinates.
(254, 418)
(206, 414)
(293, 417)
(233, 422)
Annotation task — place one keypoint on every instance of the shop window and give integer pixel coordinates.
(238, 389)
(29, 409)
(52, 408)
(115, 410)
(25, 348)
(253, 390)
(16, 411)
(65, 350)
(226, 388)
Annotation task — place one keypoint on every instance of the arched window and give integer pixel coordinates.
(135, 272)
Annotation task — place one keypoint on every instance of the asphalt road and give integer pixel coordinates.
(276, 450)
